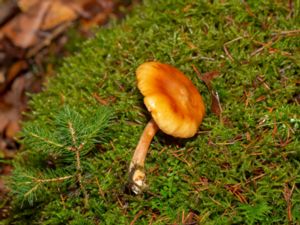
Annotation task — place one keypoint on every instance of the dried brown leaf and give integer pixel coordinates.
(215, 100)
(208, 77)
(99, 19)
(10, 106)
(7, 10)
(57, 14)
(22, 29)
(237, 191)
(25, 5)
(15, 69)
(215, 103)
(12, 129)
(261, 98)
(14, 96)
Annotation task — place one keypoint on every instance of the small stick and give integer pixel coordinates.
(226, 50)
(287, 194)
(78, 164)
(265, 45)
(289, 32)
(136, 217)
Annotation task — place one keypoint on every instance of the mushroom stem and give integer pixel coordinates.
(136, 169)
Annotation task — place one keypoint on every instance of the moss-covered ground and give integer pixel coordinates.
(241, 169)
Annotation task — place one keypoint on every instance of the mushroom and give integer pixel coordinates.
(176, 107)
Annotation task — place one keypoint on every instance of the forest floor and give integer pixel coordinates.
(242, 166)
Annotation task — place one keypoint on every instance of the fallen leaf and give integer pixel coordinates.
(7, 9)
(15, 69)
(57, 14)
(208, 77)
(261, 98)
(25, 5)
(78, 7)
(87, 24)
(12, 128)
(215, 103)
(10, 106)
(215, 100)
(23, 29)
(2, 77)
(16, 93)
(6, 114)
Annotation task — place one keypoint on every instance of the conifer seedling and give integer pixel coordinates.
(60, 146)
(176, 107)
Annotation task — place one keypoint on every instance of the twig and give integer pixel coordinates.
(248, 9)
(181, 159)
(287, 194)
(197, 71)
(99, 188)
(78, 164)
(227, 53)
(287, 32)
(216, 202)
(226, 50)
(266, 45)
(291, 9)
(136, 217)
(255, 178)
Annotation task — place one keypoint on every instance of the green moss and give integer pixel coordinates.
(229, 171)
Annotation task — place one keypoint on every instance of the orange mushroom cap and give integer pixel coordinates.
(174, 102)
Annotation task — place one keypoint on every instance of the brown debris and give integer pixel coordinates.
(227, 51)
(215, 100)
(104, 101)
(248, 9)
(7, 9)
(265, 45)
(136, 217)
(25, 5)
(287, 194)
(237, 191)
(57, 14)
(23, 29)
(190, 219)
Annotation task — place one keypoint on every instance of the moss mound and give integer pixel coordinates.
(239, 171)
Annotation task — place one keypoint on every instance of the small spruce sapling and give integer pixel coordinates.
(55, 149)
